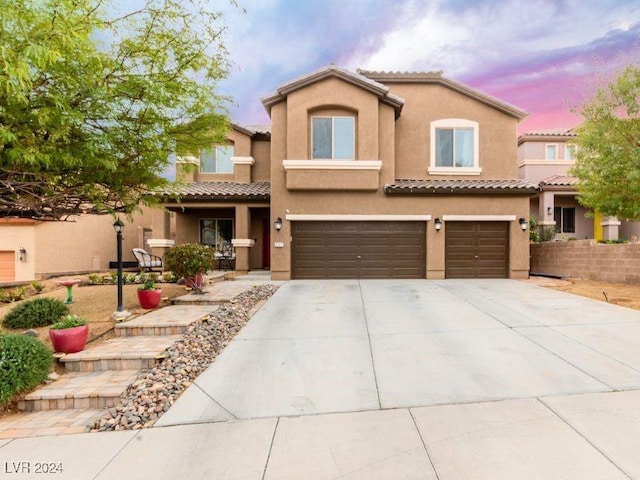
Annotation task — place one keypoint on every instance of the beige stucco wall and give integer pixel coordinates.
(429, 102)
(261, 152)
(89, 243)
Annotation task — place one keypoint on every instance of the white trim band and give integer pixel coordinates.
(243, 160)
(479, 218)
(332, 165)
(454, 171)
(356, 218)
(522, 163)
(243, 242)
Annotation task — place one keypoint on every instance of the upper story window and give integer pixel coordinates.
(551, 151)
(216, 159)
(333, 138)
(570, 152)
(454, 147)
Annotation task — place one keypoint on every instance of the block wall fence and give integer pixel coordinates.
(587, 259)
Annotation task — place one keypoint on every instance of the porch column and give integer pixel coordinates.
(242, 242)
(545, 209)
(610, 227)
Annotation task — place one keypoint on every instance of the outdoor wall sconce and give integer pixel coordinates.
(437, 224)
(549, 210)
(278, 224)
(523, 224)
(22, 255)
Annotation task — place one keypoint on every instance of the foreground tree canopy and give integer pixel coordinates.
(93, 101)
(608, 153)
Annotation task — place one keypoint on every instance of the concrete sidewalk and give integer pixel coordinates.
(392, 380)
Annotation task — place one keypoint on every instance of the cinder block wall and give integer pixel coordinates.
(588, 259)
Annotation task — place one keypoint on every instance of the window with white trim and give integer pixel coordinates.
(454, 147)
(333, 138)
(551, 151)
(216, 159)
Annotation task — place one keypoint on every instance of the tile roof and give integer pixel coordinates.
(461, 186)
(560, 181)
(220, 191)
(553, 132)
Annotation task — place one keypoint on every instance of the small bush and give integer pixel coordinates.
(38, 312)
(24, 364)
(18, 293)
(130, 278)
(94, 279)
(37, 286)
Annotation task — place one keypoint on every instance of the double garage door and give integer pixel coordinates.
(359, 250)
(397, 250)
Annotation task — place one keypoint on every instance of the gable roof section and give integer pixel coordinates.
(333, 71)
(221, 191)
(434, 187)
(437, 78)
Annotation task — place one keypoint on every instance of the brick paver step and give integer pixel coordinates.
(213, 295)
(52, 422)
(80, 390)
(171, 320)
(121, 353)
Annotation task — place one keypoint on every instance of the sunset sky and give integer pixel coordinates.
(543, 56)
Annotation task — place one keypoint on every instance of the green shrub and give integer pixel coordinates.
(189, 259)
(18, 293)
(24, 364)
(35, 313)
(94, 279)
(37, 286)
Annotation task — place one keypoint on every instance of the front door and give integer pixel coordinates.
(266, 243)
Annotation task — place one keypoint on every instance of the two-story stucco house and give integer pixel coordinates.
(545, 157)
(367, 175)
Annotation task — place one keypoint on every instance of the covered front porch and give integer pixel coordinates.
(233, 218)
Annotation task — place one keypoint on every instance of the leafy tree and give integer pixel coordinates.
(93, 101)
(608, 153)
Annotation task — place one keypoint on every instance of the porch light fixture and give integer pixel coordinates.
(22, 255)
(278, 224)
(549, 210)
(523, 224)
(437, 224)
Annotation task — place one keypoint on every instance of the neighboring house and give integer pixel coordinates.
(366, 175)
(545, 157)
(30, 249)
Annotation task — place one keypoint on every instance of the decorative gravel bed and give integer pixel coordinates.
(156, 390)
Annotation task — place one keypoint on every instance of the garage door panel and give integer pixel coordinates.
(358, 250)
(477, 250)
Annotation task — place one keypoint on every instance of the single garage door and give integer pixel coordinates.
(477, 250)
(358, 250)
(7, 266)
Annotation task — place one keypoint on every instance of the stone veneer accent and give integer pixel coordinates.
(587, 259)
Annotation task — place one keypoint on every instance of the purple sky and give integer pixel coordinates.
(543, 56)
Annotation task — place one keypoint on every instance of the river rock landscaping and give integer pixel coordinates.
(157, 389)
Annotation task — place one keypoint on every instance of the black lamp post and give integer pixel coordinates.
(118, 226)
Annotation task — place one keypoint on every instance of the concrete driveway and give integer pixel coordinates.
(491, 379)
(346, 346)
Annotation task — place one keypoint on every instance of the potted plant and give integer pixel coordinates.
(69, 335)
(149, 295)
(190, 261)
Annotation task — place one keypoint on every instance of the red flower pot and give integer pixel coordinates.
(149, 298)
(69, 340)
